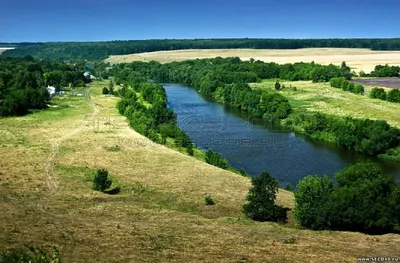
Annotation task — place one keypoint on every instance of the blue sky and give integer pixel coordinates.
(89, 20)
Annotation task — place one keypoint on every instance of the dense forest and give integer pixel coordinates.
(225, 80)
(72, 51)
(23, 82)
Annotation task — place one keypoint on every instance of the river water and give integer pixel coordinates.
(254, 144)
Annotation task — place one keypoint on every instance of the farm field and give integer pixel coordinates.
(49, 160)
(357, 59)
(321, 97)
(379, 82)
(2, 49)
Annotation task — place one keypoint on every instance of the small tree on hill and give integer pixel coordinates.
(261, 200)
(277, 85)
(101, 181)
(105, 91)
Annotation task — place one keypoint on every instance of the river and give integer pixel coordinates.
(255, 145)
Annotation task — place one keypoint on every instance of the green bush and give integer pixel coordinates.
(311, 196)
(365, 199)
(208, 200)
(31, 255)
(260, 204)
(378, 93)
(101, 181)
(105, 91)
(216, 159)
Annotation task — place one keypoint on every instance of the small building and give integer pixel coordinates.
(51, 90)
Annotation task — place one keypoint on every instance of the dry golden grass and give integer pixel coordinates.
(356, 58)
(159, 216)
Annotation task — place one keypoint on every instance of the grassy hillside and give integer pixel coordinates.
(49, 159)
(356, 58)
(321, 97)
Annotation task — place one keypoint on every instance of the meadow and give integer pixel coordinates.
(356, 58)
(324, 98)
(51, 156)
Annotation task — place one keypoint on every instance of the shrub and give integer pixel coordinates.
(311, 196)
(365, 199)
(101, 181)
(261, 200)
(277, 85)
(105, 91)
(208, 200)
(378, 93)
(216, 159)
(30, 254)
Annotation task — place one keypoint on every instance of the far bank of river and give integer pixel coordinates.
(254, 144)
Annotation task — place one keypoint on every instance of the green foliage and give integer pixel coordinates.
(378, 93)
(23, 83)
(216, 159)
(101, 181)
(261, 200)
(365, 199)
(394, 95)
(367, 136)
(74, 51)
(208, 200)
(31, 255)
(342, 83)
(385, 71)
(105, 91)
(312, 194)
(277, 85)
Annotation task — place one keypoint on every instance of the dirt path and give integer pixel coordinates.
(51, 180)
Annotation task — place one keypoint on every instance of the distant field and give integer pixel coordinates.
(321, 97)
(357, 59)
(380, 82)
(2, 49)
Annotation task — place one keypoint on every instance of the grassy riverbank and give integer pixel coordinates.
(49, 158)
(311, 97)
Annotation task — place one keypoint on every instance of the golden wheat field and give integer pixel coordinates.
(357, 59)
(48, 162)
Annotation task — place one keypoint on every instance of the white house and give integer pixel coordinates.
(51, 90)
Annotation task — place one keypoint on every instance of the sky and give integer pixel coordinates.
(98, 20)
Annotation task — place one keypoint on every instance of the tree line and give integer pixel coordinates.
(381, 71)
(342, 83)
(379, 93)
(92, 51)
(23, 82)
(225, 80)
(367, 136)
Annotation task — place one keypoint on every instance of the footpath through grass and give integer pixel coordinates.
(160, 214)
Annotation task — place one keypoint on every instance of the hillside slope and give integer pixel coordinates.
(49, 159)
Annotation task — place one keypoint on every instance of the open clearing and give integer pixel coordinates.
(357, 59)
(2, 49)
(379, 82)
(159, 216)
(322, 97)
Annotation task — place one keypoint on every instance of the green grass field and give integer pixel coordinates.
(321, 97)
(49, 159)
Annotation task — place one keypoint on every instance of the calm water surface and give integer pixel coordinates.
(254, 144)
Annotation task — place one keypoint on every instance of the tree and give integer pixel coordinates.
(277, 85)
(105, 91)
(312, 194)
(216, 159)
(366, 200)
(101, 181)
(261, 200)
(378, 93)
(359, 89)
(393, 95)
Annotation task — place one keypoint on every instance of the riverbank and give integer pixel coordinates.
(161, 207)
